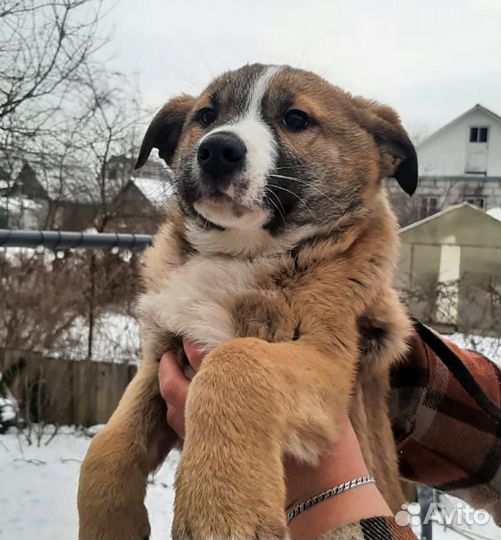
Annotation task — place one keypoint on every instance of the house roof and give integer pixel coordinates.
(153, 190)
(447, 210)
(73, 183)
(476, 107)
(65, 179)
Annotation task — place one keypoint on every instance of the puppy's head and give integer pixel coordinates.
(273, 151)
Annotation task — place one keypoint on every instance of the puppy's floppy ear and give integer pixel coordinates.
(398, 155)
(165, 129)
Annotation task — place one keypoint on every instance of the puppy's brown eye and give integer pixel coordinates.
(296, 120)
(206, 116)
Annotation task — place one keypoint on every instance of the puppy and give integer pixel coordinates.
(278, 253)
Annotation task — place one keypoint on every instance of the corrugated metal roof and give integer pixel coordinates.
(441, 213)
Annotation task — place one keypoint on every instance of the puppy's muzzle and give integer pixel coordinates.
(220, 156)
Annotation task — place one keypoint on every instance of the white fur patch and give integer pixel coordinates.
(222, 214)
(245, 242)
(197, 299)
(257, 137)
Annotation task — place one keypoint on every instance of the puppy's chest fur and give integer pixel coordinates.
(214, 299)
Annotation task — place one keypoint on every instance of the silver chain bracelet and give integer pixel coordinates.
(331, 492)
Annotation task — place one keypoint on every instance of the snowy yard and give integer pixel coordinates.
(38, 484)
(38, 489)
(38, 492)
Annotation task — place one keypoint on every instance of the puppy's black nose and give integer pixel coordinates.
(221, 154)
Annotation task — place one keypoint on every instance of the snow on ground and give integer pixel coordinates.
(488, 346)
(38, 488)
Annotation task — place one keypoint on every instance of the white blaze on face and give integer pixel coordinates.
(258, 139)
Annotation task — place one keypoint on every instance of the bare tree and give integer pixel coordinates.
(102, 145)
(43, 44)
(107, 137)
(47, 305)
(72, 118)
(64, 112)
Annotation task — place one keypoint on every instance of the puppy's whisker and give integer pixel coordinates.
(301, 200)
(309, 184)
(280, 207)
(274, 204)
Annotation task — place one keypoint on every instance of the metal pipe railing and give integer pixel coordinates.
(57, 240)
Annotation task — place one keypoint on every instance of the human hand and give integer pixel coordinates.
(343, 463)
(174, 384)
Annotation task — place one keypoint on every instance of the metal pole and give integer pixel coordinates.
(60, 240)
(425, 497)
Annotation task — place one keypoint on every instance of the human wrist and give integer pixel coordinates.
(341, 465)
(305, 481)
(359, 503)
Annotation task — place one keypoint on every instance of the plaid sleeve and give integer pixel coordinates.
(375, 528)
(446, 417)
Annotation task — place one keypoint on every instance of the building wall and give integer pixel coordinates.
(480, 268)
(417, 277)
(451, 191)
(447, 190)
(445, 153)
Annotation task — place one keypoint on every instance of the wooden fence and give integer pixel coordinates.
(65, 391)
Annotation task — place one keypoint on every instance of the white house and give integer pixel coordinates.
(460, 162)
(469, 145)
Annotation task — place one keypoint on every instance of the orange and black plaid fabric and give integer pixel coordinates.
(446, 416)
(376, 528)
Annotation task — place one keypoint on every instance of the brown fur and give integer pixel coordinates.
(304, 355)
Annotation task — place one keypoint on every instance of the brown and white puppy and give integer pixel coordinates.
(278, 253)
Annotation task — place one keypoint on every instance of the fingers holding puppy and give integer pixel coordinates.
(174, 384)
(195, 353)
(174, 389)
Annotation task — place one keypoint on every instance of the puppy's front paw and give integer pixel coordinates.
(230, 480)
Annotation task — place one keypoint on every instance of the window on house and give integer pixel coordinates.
(479, 134)
(476, 201)
(427, 206)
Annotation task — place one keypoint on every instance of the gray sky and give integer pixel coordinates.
(429, 59)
